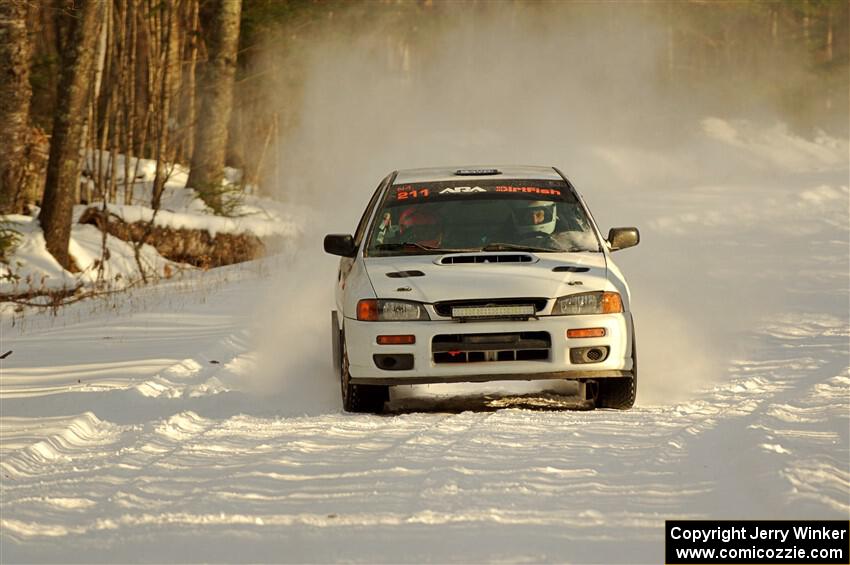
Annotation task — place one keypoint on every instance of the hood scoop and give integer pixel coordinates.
(469, 258)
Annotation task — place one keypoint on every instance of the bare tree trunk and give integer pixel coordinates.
(167, 91)
(807, 31)
(828, 50)
(130, 102)
(63, 167)
(774, 26)
(187, 146)
(216, 100)
(15, 94)
(829, 53)
(671, 43)
(96, 158)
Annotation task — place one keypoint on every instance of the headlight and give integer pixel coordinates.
(588, 303)
(372, 310)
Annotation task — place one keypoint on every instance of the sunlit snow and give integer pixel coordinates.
(199, 420)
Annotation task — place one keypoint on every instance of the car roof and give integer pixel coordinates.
(448, 173)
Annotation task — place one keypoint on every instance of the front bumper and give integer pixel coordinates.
(361, 344)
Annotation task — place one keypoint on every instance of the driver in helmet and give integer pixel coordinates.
(418, 225)
(536, 218)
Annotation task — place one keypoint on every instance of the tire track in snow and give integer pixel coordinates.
(67, 440)
(764, 463)
(183, 383)
(115, 487)
(568, 482)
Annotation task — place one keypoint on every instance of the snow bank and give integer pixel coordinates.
(182, 208)
(254, 225)
(31, 269)
(778, 147)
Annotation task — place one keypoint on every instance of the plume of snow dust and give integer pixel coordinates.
(294, 361)
(521, 84)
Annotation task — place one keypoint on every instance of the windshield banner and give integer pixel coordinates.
(556, 191)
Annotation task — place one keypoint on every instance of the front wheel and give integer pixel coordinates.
(619, 392)
(359, 398)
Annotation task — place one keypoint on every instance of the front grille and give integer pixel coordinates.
(445, 308)
(478, 348)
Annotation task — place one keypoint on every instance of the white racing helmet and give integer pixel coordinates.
(536, 216)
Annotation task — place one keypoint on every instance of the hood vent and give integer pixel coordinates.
(486, 258)
(405, 274)
(570, 269)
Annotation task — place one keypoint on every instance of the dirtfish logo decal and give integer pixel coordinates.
(462, 190)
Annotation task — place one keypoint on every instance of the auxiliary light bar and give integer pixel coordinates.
(521, 311)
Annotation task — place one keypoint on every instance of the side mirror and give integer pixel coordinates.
(621, 238)
(340, 244)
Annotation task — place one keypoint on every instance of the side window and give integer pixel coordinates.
(361, 227)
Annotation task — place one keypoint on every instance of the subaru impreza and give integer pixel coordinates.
(481, 274)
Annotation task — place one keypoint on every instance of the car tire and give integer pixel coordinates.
(619, 392)
(359, 398)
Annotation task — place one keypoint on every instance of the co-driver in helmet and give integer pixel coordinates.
(535, 219)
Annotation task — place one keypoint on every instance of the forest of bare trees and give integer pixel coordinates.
(188, 81)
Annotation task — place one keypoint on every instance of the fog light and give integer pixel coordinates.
(596, 354)
(586, 332)
(394, 361)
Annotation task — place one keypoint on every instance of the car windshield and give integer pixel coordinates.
(480, 215)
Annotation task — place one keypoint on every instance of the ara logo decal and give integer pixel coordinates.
(462, 190)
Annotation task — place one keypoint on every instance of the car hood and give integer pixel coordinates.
(442, 279)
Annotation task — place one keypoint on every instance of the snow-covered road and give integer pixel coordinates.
(198, 419)
(110, 453)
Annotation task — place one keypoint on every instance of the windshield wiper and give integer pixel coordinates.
(415, 245)
(519, 247)
(515, 247)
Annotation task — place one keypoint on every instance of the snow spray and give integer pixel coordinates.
(540, 86)
(294, 328)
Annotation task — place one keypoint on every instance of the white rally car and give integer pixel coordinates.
(481, 274)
